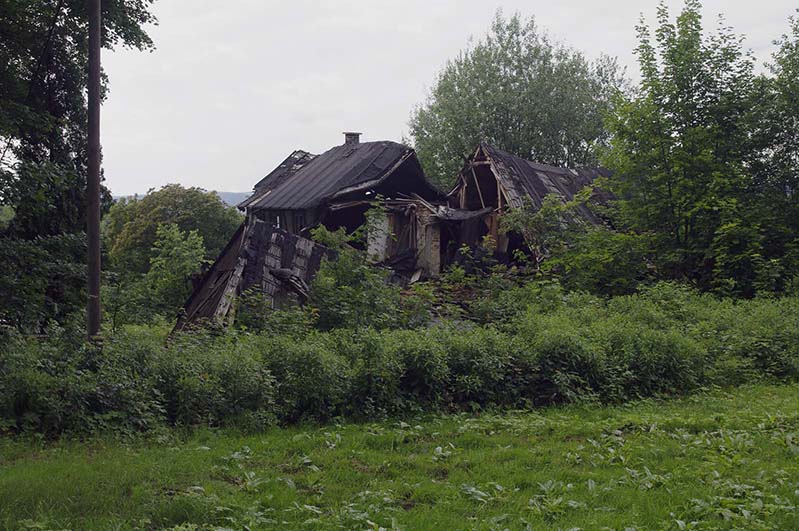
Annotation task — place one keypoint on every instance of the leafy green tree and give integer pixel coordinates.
(131, 226)
(43, 57)
(43, 72)
(520, 91)
(681, 142)
(46, 199)
(176, 255)
(43, 114)
(775, 164)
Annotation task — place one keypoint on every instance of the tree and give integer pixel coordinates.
(43, 116)
(131, 226)
(580, 255)
(43, 73)
(46, 199)
(681, 142)
(775, 164)
(519, 91)
(43, 279)
(176, 255)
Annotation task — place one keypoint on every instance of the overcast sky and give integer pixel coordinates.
(235, 86)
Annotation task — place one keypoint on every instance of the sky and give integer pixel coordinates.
(233, 87)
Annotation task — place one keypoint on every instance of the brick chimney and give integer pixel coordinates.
(350, 138)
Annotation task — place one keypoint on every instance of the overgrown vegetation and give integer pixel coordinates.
(528, 345)
(704, 153)
(43, 150)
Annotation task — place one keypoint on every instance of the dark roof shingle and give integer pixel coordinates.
(334, 170)
(523, 178)
(291, 165)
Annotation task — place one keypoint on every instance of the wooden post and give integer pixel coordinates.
(477, 184)
(93, 177)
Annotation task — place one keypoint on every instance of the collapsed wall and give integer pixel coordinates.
(259, 256)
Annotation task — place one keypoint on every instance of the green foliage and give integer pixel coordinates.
(43, 74)
(127, 300)
(602, 261)
(131, 225)
(133, 298)
(311, 379)
(543, 346)
(348, 292)
(582, 257)
(521, 91)
(43, 151)
(543, 228)
(704, 156)
(227, 385)
(63, 384)
(46, 199)
(43, 279)
(254, 313)
(6, 215)
(133, 384)
(43, 107)
(175, 257)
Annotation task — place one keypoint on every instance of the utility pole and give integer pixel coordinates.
(93, 178)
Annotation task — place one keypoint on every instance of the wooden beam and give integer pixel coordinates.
(477, 184)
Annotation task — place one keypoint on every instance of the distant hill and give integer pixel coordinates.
(230, 198)
(234, 198)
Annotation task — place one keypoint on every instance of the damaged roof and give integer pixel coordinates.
(523, 178)
(278, 176)
(340, 170)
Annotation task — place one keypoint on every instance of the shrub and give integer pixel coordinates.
(478, 361)
(552, 347)
(214, 381)
(376, 371)
(424, 362)
(311, 381)
(640, 362)
(63, 385)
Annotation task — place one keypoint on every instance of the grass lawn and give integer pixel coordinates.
(719, 460)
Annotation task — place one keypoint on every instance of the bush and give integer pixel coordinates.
(311, 381)
(550, 347)
(425, 369)
(478, 361)
(213, 381)
(63, 385)
(376, 372)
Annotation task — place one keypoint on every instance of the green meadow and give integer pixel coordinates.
(719, 459)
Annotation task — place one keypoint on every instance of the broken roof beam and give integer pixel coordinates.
(477, 185)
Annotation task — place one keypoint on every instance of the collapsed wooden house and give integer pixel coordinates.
(272, 251)
(417, 232)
